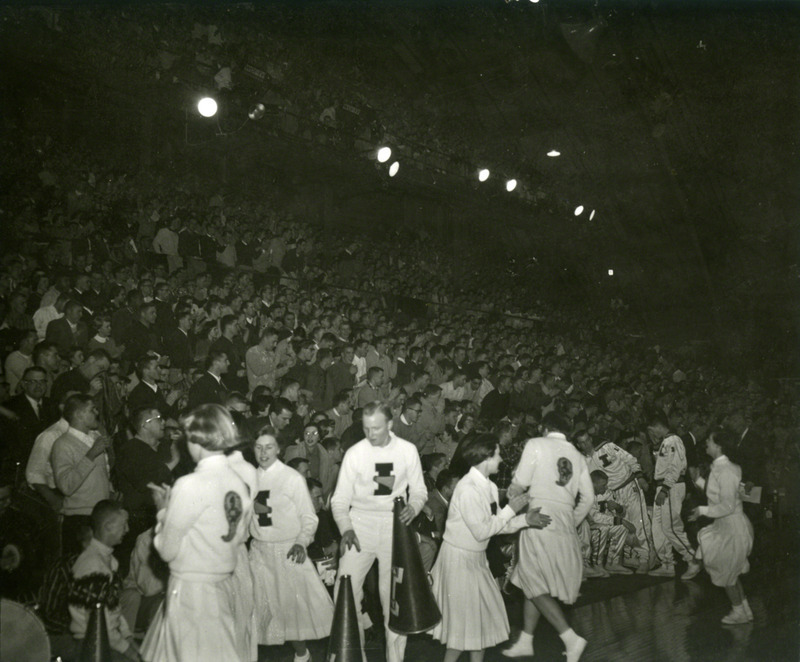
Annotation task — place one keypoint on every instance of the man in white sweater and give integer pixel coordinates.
(374, 471)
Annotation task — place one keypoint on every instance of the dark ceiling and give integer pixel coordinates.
(677, 121)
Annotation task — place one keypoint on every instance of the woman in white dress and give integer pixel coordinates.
(473, 614)
(202, 524)
(725, 545)
(283, 525)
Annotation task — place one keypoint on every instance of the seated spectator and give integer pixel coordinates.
(84, 379)
(320, 465)
(446, 442)
(208, 388)
(144, 585)
(96, 580)
(323, 551)
(20, 359)
(102, 338)
(405, 425)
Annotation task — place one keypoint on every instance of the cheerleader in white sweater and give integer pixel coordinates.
(473, 614)
(202, 523)
(724, 545)
(282, 526)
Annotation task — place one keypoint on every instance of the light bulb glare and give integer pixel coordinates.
(511, 184)
(553, 153)
(384, 154)
(578, 210)
(394, 168)
(610, 272)
(591, 216)
(207, 107)
(483, 175)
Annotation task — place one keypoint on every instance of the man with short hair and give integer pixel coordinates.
(316, 380)
(96, 581)
(341, 413)
(147, 392)
(80, 468)
(68, 331)
(209, 388)
(430, 421)
(33, 414)
(371, 389)
(280, 416)
(374, 471)
(20, 359)
(86, 378)
(360, 359)
(143, 336)
(455, 389)
(405, 426)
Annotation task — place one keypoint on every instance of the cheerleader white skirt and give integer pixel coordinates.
(724, 547)
(244, 616)
(293, 593)
(473, 614)
(550, 561)
(195, 623)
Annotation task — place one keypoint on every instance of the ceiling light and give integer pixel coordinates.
(511, 184)
(578, 210)
(207, 107)
(610, 272)
(553, 152)
(591, 216)
(394, 168)
(384, 154)
(483, 175)
(257, 111)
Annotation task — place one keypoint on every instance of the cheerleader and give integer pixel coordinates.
(473, 614)
(201, 526)
(723, 547)
(285, 579)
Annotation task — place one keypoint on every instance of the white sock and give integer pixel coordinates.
(525, 638)
(569, 637)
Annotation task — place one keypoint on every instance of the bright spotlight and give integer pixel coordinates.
(511, 184)
(578, 210)
(534, 1)
(610, 272)
(483, 175)
(553, 153)
(207, 107)
(591, 216)
(394, 168)
(384, 154)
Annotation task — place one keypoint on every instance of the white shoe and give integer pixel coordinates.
(738, 616)
(519, 648)
(575, 651)
(663, 571)
(691, 571)
(303, 658)
(617, 569)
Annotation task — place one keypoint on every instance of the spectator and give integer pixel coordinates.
(209, 388)
(70, 330)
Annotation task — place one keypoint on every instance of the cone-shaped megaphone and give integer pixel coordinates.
(413, 607)
(95, 647)
(344, 644)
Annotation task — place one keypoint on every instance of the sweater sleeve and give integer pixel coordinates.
(305, 511)
(723, 493)
(186, 503)
(418, 494)
(343, 495)
(70, 466)
(477, 515)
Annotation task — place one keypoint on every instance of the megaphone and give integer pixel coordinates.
(344, 644)
(413, 608)
(96, 647)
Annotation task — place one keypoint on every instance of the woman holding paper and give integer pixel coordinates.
(725, 545)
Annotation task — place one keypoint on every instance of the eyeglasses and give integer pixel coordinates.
(153, 418)
(419, 411)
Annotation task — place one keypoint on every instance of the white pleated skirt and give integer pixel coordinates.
(195, 623)
(550, 561)
(300, 605)
(473, 614)
(724, 547)
(244, 616)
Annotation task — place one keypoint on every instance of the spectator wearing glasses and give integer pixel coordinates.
(405, 426)
(140, 463)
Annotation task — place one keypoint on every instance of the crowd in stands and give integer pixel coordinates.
(125, 304)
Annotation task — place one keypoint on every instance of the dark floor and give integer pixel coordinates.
(643, 619)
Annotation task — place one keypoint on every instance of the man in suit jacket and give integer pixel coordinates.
(147, 393)
(179, 341)
(209, 388)
(341, 375)
(341, 414)
(33, 413)
(68, 331)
